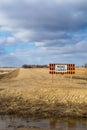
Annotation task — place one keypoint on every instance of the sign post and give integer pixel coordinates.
(52, 78)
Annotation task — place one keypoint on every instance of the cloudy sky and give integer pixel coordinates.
(43, 32)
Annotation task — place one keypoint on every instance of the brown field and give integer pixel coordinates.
(31, 92)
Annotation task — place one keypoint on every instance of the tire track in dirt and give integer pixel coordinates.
(10, 75)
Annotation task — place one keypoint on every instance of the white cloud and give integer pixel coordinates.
(10, 40)
(2, 40)
(24, 35)
(6, 29)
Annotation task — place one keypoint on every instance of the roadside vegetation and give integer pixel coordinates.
(31, 92)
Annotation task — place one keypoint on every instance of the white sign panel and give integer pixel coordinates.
(60, 68)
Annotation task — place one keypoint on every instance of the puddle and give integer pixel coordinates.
(10, 123)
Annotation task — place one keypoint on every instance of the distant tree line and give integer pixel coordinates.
(34, 66)
(85, 65)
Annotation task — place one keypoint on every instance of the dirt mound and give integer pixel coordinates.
(10, 75)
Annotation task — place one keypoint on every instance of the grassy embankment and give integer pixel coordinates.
(30, 92)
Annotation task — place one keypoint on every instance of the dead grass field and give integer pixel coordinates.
(30, 92)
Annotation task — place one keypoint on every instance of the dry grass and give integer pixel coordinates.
(31, 92)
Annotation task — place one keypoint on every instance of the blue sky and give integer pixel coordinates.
(43, 32)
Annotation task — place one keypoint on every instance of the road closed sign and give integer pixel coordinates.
(61, 68)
